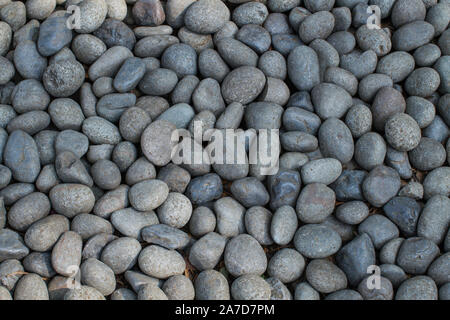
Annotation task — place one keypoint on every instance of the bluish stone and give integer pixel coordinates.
(404, 212)
(53, 35)
(205, 188)
(129, 74)
(284, 187)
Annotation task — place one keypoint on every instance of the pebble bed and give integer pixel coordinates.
(93, 207)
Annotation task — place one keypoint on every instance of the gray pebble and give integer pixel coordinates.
(88, 225)
(394, 273)
(176, 178)
(336, 140)
(71, 199)
(439, 269)
(433, 222)
(98, 275)
(11, 245)
(121, 254)
(31, 287)
(250, 192)
(156, 142)
(359, 63)
(381, 184)
(325, 277)
(49, 41)
(250, 13)
(404, 212)
(243, 85)
(109, 62)
(88, 48)
(161, 263)
(206, 16)
(130, 222)
(94, 245)
(379, 228)
(384, 292)
(427, 55)
(244, 245)
(412, 35)
(176, 209)
(417, 288)
(304, 291)
(230, 217)
(317, 241)
(43, 234)
(303, 68)
(28, 210)
(428, 155)
(63, 78)
(352, 212)
(315, 203)
(15, 191)
(202, 221)
(21, 156)
(355, 257)
(66, 254)
(211, 285)
(154, 46)
(206, 252)
(138, 194)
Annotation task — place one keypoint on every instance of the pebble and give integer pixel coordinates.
(121, 254)
(250, 13)
(380, 185)
(379, 228)
(21, 156)
(432, 222)
(355, 257)
(412, 35)
(50, 42)
(156, 142)
(66, 254)
(324, 171)
(115, 33)
(315, 203)
(428, 155)
(31, 287)
(335, 140)
(388, 253)
(250, 287)
(303, 68)
(304, 291)
(206, 252)
(229, 216)
(352, 212)
(98, 275)
(417, 288)
(131, 223)
(241, 246)
(28, 210)
(317, 241)
(71, 199)
(161, 263)
(206, 16)
(404, 212)
(43, 234)
(211, 285)
(250, 192)
(325, 277)
(148, 13)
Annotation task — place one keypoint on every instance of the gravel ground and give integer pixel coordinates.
(95, 204)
